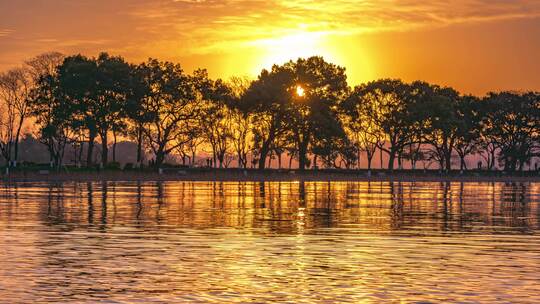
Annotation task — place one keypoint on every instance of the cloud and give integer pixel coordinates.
(205, 26)
(182, 28)
(5, 32)
(79, 42)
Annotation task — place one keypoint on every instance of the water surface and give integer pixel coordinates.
(259, 242)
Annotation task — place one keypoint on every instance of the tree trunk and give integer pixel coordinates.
(114, 147)
(391, 159)
(448, 158)
(369, 159)
(80, 153)
(90, 151)
(17, 135)
(240, 161)
(290, 161)
(139, 145)
(381, 157)
(16, 155)
(358, 152)
(160, 158)
(492, 159)
(52, 154)
(104, 149)
(60, 158)
(302, 155)
(448, 163)
(462, 162)
(264, 153)
(221, 158)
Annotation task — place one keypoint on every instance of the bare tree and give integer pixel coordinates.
(15, 86)
(241, 121)
(216, 123)
(44, 64)
(241, 135)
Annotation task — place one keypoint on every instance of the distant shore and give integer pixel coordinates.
(252, 175)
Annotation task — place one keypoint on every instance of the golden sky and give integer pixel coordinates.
(473, 45)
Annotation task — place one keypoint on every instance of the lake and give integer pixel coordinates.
(227, 242)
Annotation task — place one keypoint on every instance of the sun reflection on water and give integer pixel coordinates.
(279, 242)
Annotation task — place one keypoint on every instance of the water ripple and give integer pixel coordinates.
(292, 242)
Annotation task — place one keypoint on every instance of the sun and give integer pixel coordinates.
(299, 44)
(300, 91)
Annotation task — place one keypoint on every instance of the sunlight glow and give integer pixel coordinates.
(300, 91)
(291, 47)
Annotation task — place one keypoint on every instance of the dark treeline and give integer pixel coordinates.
(303, 110)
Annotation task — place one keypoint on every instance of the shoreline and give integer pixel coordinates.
(234, 175)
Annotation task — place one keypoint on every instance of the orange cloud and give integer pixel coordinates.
(242, 36)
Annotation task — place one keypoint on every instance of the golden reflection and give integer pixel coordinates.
(269, 242)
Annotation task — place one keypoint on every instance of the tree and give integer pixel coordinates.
(267, 98)
(359, 117)
(334, 150)
(468, 132)
(43, 65)
(513, 123)
(98, 89)
(172, 104)
(15, 88)
(113, 86)
(318, 87)
(297, 98)
(135, 111)
(439, 108)
(215, 118)
(394, 115)
(241, 121)
(77, 85)
(193, 139)
(53, 116)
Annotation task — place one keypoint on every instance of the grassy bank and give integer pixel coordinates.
(205, 174)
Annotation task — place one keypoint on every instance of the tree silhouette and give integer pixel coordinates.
(216, 115)
(241, 121)
(267, 98)
(360, 120)
(303, 108)
(15, 89)
(172, 104)
(439, 108)
(54, 117)
(513, 122)
(78, 86)
(113, 83)
(393, 100)
(50, 110)
(468, 132)
(275, 95)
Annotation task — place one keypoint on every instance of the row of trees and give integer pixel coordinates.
(304, 109)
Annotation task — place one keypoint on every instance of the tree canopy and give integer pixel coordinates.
(302, 109)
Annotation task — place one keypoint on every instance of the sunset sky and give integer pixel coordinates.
(473, 45)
